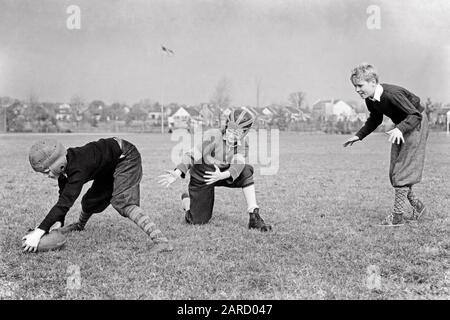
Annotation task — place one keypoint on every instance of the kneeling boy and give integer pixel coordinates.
(218, 162)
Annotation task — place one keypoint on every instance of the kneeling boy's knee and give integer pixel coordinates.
(197, 219)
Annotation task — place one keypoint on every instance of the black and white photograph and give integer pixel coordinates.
(236, 152)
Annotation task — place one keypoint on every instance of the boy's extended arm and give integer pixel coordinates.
(70, 192)
(374, 120)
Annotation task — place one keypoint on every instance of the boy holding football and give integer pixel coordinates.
(115, 167)
(218, 162)
(408, 138)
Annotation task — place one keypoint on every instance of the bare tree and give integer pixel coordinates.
(32, 99)
(117, 111)
(297, 100)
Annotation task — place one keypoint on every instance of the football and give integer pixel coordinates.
(53, 240)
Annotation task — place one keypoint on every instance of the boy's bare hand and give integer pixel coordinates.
(214, 176)
(395, 136)
(170, 177)
(31, 240)
(351, 141)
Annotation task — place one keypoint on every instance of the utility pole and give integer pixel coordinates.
(166, 52)
(162, 94)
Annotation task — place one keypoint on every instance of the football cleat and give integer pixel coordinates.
(71, 227)
(256, 222)
(393, 220)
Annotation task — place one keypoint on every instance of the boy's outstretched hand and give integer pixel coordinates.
(32, 240)
(395, 136)
(351, 141)
(214, 176)
(170, 177)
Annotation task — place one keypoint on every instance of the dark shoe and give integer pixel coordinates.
(256, 222)
(71, 227)
(418, 210)
(393, 220)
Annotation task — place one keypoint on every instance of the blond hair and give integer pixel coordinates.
(364, 71)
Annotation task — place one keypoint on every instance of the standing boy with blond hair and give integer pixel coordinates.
(408, 138)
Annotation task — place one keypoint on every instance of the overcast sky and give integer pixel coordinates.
(289, 46)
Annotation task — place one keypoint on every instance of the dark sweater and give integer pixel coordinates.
(95, 160)
(397, 103)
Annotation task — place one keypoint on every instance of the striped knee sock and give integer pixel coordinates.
(143, 221)
(83, 219)
(400, 204)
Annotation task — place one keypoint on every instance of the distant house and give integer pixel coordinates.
(184, 117)
(271, 110)
(341, 110)
(295, 114)
(193, 112)
(170, 109)
(255, 111)
(64, 112)
(154, 113)
(443, 114)
(333, 109)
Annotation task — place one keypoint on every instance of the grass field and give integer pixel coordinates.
(324, 205)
